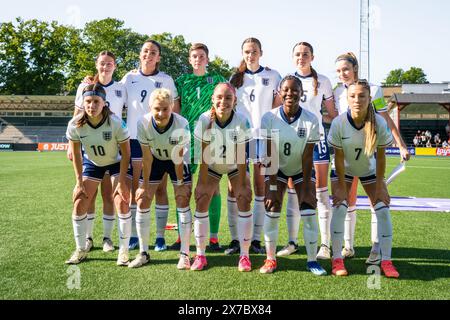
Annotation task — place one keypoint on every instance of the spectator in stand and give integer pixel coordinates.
(428, 134)
(445, 144)
(437, 140)
(416, 140)
(428, 144)
(423, 139)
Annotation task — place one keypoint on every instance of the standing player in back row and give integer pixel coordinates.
(317, 90)
(256, 92)
(195, 91)
(139, 85)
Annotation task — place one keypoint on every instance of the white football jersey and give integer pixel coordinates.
(222, 140)
(291, 137)
(256, 95)
(344, 135)
(311, 102)
(116, 96)
(100, 143)
(376, 92)
(163, 143)
(139, 88)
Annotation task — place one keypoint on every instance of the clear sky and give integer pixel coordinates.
(404, 33)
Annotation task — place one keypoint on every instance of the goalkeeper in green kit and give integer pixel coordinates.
(195, 90)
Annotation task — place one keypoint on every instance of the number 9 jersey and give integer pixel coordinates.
(346, 136)
(100, 143)
(290, 136)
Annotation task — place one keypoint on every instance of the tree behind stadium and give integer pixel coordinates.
(47, 58)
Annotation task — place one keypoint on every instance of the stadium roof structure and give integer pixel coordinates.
(36, 103)
(405, 99)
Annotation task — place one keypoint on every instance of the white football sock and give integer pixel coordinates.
(108, 225)
(143, 218)
(245, 224)
(324, 210)
(310, 232)
(79, 224)
(201, 225)
(133, 208)
(337, 229)
(384, 230)
(124, 230)
(232, 217)
(162, 214)
(90, 225)
(374, 232)
(350, 223)
(271, 222)
(185, 218)
(258, 217)
(292, 216)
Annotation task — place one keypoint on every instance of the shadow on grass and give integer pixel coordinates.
(412, 263)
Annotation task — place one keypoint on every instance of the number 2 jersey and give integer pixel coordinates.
(256, 95)
(290, 136)
(222, 139)
(100, 142)
(346, 136)
(162, 143)
(139, 88)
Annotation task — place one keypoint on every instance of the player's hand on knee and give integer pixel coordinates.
(338, 196)
(123, 191)
(79, 192)
(382, 195)
(141, 193)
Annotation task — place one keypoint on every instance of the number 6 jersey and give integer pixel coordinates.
(346, 136)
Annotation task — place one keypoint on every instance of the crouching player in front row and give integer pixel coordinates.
(164, 137)
(102, 135)
(355, 136)
(223, 134)
(297, 131)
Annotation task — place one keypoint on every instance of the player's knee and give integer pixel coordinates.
(80, 206)
(244, 197)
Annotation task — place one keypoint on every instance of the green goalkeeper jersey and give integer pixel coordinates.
(195, 93)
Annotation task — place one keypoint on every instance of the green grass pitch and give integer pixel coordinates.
(36, 239)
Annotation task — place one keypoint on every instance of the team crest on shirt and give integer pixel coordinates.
(173, 141)
(158, 85)
(301, 132)
(210, 80)
(107, 135)
(233, 134)
(265, 81)
(118, 93)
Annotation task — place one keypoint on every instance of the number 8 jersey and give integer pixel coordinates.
(100, 143)
(292, 134)
(346, 136)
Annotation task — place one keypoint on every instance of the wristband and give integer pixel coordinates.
(273, 187)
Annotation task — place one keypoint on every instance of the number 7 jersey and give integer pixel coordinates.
(346, 136)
